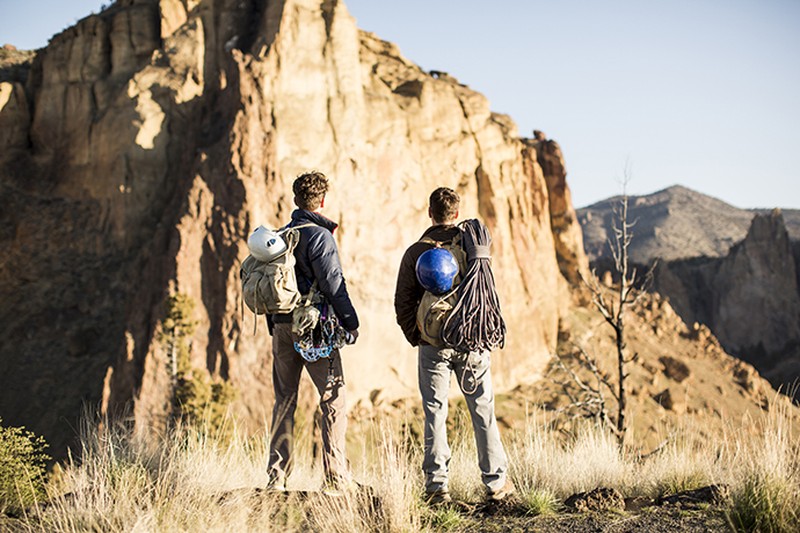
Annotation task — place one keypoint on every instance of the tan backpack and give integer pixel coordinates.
(271, 287)
(433, 310)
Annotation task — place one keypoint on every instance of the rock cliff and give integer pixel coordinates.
(147, 141)
(749, 298)
(566, 231)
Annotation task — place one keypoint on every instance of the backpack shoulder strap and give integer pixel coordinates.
(291, 235)
(455, 240)
(312, 294)
(301, 226)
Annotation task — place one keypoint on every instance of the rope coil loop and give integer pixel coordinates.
(476, 323)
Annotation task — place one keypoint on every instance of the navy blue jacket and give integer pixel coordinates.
(318, 259)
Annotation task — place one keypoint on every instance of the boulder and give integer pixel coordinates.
(675, 369)
(599, 499)
(708, 495)
(671, 400)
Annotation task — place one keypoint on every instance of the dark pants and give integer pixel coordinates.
(287, 365)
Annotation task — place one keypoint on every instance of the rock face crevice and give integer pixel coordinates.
(160, 133)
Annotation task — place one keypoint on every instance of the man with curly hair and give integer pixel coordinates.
(317, 260)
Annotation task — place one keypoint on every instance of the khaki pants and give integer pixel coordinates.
(287, 365)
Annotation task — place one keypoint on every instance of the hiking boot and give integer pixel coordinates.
(276, 484)
(438, 497)
(337, 489)
(504, 492)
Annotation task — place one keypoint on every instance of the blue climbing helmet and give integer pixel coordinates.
(436, 269)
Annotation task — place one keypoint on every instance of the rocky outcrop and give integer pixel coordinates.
(757, 286)
(14, 116)
(160, 133)
(732, 270)
(563, 220)
(796, 256)
(749, 298)
(596, 500)
(14, 112)
(674, 368)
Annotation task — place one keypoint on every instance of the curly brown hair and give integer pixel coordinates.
(444, 203)
(309, 190)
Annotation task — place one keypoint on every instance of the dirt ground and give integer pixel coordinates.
(651, 519)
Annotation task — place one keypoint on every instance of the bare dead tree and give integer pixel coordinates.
(612, 305)
(588, 400)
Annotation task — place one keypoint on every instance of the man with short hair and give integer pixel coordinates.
(437, 363)
(317, 260)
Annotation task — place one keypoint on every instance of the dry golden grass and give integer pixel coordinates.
(189, 482)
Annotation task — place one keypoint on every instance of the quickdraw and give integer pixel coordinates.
(331, 336)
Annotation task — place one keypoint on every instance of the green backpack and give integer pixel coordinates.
(433, 310)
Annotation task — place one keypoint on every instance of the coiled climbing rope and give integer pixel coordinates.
(475, 323)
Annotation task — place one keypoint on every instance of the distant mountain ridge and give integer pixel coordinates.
(733, 270)
(674, 223)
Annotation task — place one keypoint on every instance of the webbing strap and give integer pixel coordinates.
(478, 251)
(301, 226)
(311, 293)
(438, 244)
(430, 241)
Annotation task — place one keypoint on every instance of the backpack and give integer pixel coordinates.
(270, 287)
(434, 310)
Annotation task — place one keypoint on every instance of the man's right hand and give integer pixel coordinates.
(352, 336)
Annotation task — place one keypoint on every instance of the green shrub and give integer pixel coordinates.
(177, 329)
(445, 519)
(680, 481)
(203, 403)
(196, 398)
(22, 468)
(540, 502)
(768, 504)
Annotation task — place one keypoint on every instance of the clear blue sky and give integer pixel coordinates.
(705, 93)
